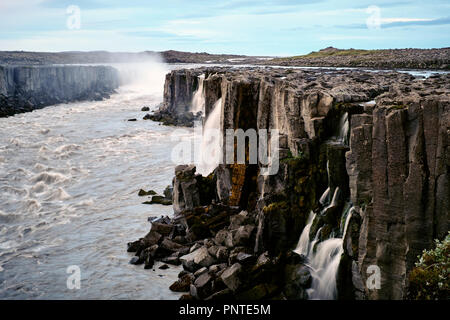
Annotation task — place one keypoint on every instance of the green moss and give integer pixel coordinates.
(300, 156)
(430, 279)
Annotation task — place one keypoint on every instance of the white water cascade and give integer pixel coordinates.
(211, 145)
(323, 257)
(343, 129)
(198, 100)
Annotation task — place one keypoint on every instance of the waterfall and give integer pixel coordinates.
(211, 146)
(343, 129)
(303, 243)
(324, 262)
(198, 101)
(323, 258)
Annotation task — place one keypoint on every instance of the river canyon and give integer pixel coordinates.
(363, 181)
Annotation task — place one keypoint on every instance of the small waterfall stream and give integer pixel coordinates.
(211, 146)
(343, 129)
(323, 257)
(198, 100)
(323, 261)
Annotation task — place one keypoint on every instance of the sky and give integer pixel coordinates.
(251, 27)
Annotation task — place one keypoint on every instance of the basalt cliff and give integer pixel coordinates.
(361, 189)
(26, 88)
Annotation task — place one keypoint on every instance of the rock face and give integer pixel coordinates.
(179, 89)
(367, 152)
(400, 179)
(25, 89)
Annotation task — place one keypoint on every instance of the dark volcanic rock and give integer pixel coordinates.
(28, 88)
(183, 284)
(368, 153)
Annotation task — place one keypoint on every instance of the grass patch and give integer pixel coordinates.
(337, 53)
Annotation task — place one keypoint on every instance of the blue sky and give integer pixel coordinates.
(253, 27)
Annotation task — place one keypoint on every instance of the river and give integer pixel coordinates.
(69, 178)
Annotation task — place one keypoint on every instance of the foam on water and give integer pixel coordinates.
(69, 179)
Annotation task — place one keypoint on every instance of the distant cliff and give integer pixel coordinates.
(25, 88)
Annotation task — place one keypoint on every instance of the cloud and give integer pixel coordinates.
(236, 4)
(387, 23)
(418, 22)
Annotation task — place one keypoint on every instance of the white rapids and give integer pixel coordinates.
(69, 178)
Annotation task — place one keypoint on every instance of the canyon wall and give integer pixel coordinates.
(367, 152)
(25, 89)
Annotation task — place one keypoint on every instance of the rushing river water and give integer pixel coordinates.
(69, 178)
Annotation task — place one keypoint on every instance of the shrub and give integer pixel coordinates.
(430, 279)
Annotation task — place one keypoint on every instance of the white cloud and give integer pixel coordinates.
(391, 20)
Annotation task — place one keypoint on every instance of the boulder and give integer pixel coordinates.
(183, 283)
(243, 235)
(200, 271)
(185, 190)
(203, 285)
(136, 261)
(223, 295)
(230, 241)
(168, 193)
(188, 261)
(203, 258)
(162, 228)
(258, 292)
(237, 220)
(222, 254)
(143, 193)
(215, 268)
(245, 258)
(170, 245)
(220, 237)
(231, 276)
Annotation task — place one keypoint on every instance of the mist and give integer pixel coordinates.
(144, 75)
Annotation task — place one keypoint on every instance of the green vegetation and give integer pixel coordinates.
(329, 53)
(300, 156)
(430, 279)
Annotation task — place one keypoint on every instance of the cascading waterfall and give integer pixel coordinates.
(211, 153)
(324, 256)
(323, 261)
(342, 135)
(198, 100)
